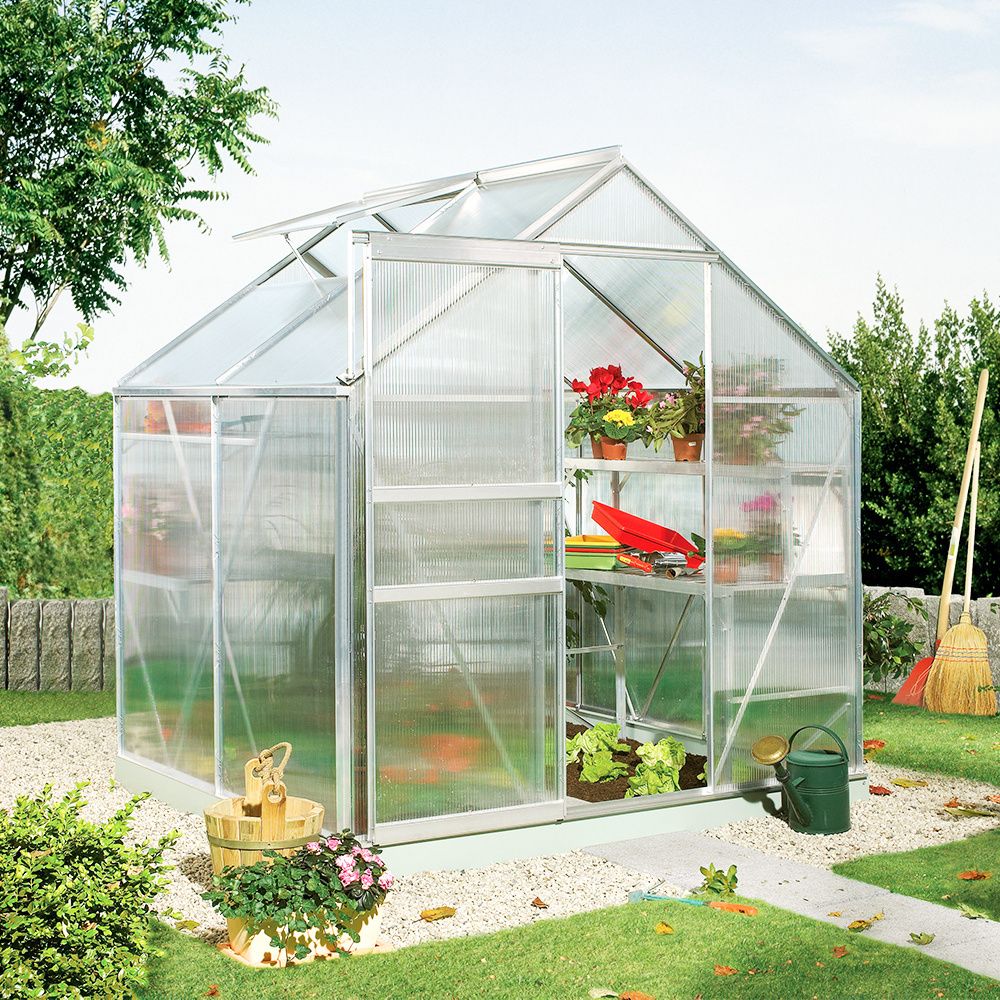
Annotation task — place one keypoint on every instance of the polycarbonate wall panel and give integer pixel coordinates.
(280, 482)
(314, 353)
(624, 211)
(331, 251)
(784, 514)
(221, 342)
(464, 705)
(665, 299)
(504, 209)
(165, 545)
(406, 218)
(449, 541)
(462, 374)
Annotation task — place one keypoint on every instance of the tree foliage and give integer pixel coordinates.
(917, 399)
(108, 110)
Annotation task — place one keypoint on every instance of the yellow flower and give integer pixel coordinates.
(728, 534)
(620, 417)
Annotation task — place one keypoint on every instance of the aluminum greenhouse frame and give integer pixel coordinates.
(336, 502)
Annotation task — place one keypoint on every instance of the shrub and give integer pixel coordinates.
(888, 651)
(75, 899)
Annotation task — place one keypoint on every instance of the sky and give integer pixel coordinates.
(817, 145)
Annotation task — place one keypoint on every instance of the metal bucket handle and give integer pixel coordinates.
(840, 743)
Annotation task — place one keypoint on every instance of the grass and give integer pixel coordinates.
(931, 873)
(775, 954)
(25, 708)
(967, 746)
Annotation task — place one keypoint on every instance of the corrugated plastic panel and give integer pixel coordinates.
(464, 705)
(205, 355)
(663, 298)
(332, 250)
(783, 500)
(450, 405)
(624, 211)
(407, 217)
(166, 585)
(504, 209)
(280, 464)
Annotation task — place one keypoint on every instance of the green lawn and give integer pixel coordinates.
(932, 872)
(775, 954)
(967, 746)
(25, 708)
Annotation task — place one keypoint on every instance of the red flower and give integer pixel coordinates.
(579, 386)
(640, 398)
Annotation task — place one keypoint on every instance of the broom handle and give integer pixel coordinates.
(963, 495)
(972, 530)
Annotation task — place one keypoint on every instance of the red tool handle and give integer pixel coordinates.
(632, 561)
(750, 911)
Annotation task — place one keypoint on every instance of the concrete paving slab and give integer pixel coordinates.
(814, 892)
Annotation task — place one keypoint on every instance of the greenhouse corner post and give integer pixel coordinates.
(218, 692)
(116, 490)
(559, 551)
(708, 677)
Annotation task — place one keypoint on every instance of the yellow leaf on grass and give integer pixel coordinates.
(909, 783)
(974, 875)
(725, 970)
(662, 928)
(437, 913)
(863, 925)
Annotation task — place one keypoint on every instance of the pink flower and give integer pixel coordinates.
(349, 878)
(385, 882)
(344, 862)
(366, 855)
(376, 859)
(314, 847)
(333, 844)
(366, 879)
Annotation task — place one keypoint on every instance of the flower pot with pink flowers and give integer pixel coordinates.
(680, 416)
(320, 901)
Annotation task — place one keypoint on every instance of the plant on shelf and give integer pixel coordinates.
(660, 770)
(764, 519)
(682, 413)
(607, 390)
(728, 542)
(322, 887)
(748, 427)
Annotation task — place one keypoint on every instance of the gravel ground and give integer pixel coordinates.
(487, 899)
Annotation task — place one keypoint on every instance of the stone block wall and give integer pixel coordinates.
(59, 645)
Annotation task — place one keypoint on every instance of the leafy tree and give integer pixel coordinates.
(917, 399)
(107, 110)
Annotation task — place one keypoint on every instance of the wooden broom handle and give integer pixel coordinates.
(963, 495)
(972, 530)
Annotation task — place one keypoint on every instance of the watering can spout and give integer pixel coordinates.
(814, 785)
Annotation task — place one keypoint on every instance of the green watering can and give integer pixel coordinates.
(814, 785)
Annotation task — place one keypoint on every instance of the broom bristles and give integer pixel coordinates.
(960, 668)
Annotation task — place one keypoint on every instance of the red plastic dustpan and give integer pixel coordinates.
(638, 533)
(912, 691)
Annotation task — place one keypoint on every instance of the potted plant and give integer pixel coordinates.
(680, 416)
(322, 898)
(621, 427)
(728, 545)
(747, 427)
(764, 532)
(607, 390)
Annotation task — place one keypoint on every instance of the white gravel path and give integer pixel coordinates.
(487, 899)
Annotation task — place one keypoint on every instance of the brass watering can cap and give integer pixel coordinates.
(770, 750)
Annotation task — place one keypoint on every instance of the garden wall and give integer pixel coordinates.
(925, 632)
(60, 645)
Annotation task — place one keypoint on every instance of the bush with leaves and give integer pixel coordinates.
(888, 649)
(76, 899)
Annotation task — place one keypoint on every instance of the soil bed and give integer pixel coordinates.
(605, 791)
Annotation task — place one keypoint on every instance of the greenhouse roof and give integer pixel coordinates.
(287, 329)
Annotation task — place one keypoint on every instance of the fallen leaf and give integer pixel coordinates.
(821, 965)
(863, 925)
(213, 991)
(836, 913)
(873, 744)
(968, 911)
(909, 783)
(972, 751)
(537, 902)
(437, 913)
(839, 952)
(662, 928)
(922, 938)
(752, 972)
(968, 737)
(725, 970)
(954, 804)
(597, 993)
(974, 875)
(878, 790)
(634, 995)
(993, 798)
(875, 697)
(187, 925)
(968, 812)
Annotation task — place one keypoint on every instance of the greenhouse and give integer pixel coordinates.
(342, 499)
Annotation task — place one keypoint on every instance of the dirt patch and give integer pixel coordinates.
(606, 791)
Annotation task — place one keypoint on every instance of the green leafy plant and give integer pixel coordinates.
(603, 736)
(717, 882)
(322, 886)
(660, 770)
(601, 766)
(75, 898)
(608, 390)
(678, 414)
(888, 649)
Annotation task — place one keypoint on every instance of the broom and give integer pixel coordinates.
(912, 690)
(961, 666)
